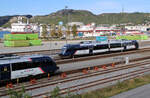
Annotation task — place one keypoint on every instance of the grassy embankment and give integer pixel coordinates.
(118, 88)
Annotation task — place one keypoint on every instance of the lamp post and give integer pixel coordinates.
(67, 26)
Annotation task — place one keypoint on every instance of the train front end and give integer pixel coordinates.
(68, 50)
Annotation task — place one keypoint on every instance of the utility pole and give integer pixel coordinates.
(66, 24)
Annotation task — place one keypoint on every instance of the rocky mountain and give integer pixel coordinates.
(65, 16)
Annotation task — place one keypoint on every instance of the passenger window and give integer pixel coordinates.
(19, 66)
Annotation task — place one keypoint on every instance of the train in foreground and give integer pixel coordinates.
(13, 67)
(93, 47)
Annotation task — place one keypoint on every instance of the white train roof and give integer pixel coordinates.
(15, 59)
(85, 43)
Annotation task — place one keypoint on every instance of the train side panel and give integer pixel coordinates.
(26, 72)
(92, 48)
(25, 66)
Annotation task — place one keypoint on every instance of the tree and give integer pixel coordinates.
(60, 31)
(55, 93)
(68, 31)
(74, 30)
(44, 31)
(18, 94)
(53, 31)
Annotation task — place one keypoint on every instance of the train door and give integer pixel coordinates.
(91, 49)
(5, 72)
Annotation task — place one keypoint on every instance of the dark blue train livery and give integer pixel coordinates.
(93, 47)
(14, 67)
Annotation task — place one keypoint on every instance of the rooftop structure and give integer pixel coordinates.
(78, 24)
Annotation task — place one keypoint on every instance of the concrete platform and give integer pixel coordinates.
(47, 45)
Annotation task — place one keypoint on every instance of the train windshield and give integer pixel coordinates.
(64, 49)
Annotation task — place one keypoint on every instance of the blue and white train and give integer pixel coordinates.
(93, 47)
(14, 67)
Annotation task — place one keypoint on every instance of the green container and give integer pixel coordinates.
(8, 43)
(16, 43)
(144, 37)
(31, 36)
(14, 37)
(133, 37)
(35, 42)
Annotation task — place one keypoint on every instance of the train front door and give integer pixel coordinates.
(5, 72)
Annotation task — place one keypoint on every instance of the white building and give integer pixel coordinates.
(78, 24)
(21, 27)
(90, 30)
(87, 30)
(137, 28)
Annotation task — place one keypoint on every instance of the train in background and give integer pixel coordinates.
(13, 67)
(94, 47)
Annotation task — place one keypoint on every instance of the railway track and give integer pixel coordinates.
(48, 52)
(64, 61)
(129, 75)
(47, 83)
(77, 88)
(82, 58)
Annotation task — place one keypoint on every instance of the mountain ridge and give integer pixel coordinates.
(84, 16)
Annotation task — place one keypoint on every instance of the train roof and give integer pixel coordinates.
(105, 42)
(94, 43)
(16, 59)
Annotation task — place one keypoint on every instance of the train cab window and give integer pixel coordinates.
(36, 64)
(47, 62)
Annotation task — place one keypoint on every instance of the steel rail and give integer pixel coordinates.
(97, 82)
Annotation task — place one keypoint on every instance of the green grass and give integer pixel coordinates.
(118, 88)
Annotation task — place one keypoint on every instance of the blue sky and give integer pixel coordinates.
(43, 7)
